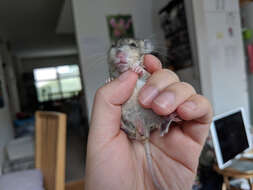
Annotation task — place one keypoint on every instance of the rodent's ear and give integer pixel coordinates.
(147, 46)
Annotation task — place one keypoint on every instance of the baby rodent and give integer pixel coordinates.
(137, 121)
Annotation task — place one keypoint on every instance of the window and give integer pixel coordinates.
(56, 83)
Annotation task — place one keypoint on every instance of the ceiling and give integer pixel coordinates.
(25, 21)
(66, 19)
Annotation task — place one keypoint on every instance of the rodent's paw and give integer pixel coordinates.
(109, 79)
(138, 69)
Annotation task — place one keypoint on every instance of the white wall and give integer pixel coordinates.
(223, 75)
(93, 35)
(6, 130)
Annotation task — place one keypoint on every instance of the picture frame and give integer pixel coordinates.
(120, 26)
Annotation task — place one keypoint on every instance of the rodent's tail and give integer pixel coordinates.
(150, 165)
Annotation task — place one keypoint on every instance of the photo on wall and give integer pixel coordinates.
(1, 96)
(120, 26)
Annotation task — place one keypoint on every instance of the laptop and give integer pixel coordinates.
(231, 138)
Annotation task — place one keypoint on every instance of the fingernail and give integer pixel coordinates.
(165, 100)
(124, 76)
(147, 95)
(190, 105)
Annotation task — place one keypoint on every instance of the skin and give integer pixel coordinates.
(115, 162)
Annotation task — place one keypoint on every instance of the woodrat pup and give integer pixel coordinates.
(137, 121)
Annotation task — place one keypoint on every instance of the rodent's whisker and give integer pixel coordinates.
(90, 67)
(97, 61)
(96, 55)
(161, 54)
(159, 46)
(151, 36)
(101, 57)
(155, 38)
(158, 42)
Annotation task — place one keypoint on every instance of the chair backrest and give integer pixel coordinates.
(50, 148)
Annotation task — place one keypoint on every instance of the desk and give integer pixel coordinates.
(233, 173)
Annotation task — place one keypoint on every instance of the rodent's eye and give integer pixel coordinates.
(113, 45)
(133, 44)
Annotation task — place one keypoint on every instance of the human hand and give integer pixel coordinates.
(115, 162)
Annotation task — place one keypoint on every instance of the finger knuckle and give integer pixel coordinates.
(170, 74)
(163, 78)
(188, 86)
(205, 100)
(206, 103)
(100, 93)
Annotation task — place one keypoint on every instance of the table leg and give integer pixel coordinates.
(224, 186)
(227, 182)
(250, 184)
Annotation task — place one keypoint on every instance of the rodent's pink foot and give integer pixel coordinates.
(164, 128)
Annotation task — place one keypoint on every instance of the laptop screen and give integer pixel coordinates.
(231, 135)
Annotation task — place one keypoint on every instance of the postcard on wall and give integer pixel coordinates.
(120, 26)
(1, 96)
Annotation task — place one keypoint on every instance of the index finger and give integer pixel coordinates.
(152, 63)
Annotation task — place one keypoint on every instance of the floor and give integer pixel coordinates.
(75, 185)
(76, 153)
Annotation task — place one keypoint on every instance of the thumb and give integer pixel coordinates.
(106, 113)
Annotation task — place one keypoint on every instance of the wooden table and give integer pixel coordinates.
(244, 1)
(233, 173)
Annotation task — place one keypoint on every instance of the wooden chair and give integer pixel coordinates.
(51, 148)
(235, 174)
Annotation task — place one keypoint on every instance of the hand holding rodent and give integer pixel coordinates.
(114, 162)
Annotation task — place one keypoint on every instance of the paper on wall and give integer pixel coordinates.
(216, 29)
(232, 5)
(230, 56)
(221, 5)
(214, 5)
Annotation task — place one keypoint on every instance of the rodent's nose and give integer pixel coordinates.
(120, 55)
